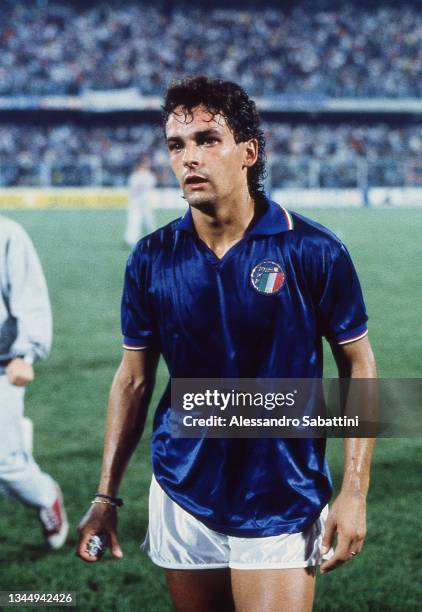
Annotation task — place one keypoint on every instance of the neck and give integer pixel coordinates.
(225, 222)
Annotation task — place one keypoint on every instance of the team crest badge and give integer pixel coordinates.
(268, 277)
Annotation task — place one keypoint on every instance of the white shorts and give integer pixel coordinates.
(177, 540)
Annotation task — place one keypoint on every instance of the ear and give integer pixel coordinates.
(250, 152)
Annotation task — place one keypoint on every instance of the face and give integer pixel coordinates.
(205, 158)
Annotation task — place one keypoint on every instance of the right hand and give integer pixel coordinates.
(19, 372)
(101, 519)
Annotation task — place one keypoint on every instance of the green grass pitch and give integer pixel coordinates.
(83, 256)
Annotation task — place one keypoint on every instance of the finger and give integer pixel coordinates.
(356, 548)
(85, 556)
(332, 564)
(17, 381)
(82, 547)
(360, 540)
(327, 540)
(115, 549)
(356, 544)
(341, 555)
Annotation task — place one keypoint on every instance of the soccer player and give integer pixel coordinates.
(238, 287)
(140, 215)
(25, 337)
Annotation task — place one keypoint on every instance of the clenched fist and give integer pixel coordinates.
(19, 372)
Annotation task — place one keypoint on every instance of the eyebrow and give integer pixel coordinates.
(196, 135)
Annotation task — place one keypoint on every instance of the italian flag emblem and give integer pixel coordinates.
(267, 277)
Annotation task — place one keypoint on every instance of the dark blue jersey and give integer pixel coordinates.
(259, 312)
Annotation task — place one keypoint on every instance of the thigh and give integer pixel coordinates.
(200, 590)
(280, 590)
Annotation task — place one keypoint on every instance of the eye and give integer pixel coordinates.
(212, 140)
(174, 146)
(209, 140)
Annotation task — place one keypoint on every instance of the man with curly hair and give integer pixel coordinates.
(237, 288)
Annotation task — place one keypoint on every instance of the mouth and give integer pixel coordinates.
(194, 180)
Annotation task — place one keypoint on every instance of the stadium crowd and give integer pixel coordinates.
(66, 48)
(76, 155)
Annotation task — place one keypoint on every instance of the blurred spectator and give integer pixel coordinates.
(299, 155)
(65, 48)
(140, 215)
(25, 337)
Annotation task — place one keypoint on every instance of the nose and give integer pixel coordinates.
(191, 156)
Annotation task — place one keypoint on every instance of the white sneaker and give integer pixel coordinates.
(54, 522)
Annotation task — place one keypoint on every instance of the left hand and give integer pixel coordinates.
(347, 517)
(19, 372)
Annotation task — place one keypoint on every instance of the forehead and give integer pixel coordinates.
(183, 122)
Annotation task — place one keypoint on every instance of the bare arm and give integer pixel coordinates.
(347, 515)
(29, 307)
(127, 410)
(28, 299)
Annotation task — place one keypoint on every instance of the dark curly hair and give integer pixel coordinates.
(231, 101)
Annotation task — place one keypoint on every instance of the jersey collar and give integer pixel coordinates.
(276, 219)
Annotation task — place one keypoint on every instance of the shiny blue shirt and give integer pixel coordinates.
(261, 311)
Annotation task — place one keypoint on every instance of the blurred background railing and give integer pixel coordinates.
(283, 173)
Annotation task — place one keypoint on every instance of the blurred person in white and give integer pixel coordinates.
(25, 337)
(140, 215)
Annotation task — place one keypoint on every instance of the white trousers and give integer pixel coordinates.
(140, 220)
(20, 476)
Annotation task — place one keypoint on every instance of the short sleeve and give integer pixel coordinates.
(136, 319)
(341, 309)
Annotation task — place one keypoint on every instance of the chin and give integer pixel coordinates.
(200, 201)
